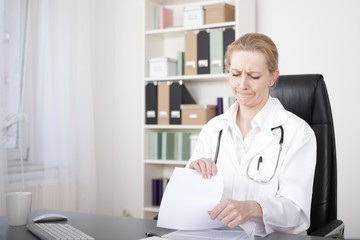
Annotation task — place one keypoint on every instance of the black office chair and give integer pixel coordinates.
(306, 96)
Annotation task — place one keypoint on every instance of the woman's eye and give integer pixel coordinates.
(236, 74)
(255, 77)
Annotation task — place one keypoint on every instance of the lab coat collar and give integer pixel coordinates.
(262, 119)
(273, 114)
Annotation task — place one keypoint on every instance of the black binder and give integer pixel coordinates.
(203, 52)
(228, 37)
(151, 103)
(179, 94)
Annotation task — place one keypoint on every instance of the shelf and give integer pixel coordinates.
(166, 162)
(204, 88)
(199, 77)
(179, 31)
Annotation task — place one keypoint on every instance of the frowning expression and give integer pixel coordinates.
(250, 78)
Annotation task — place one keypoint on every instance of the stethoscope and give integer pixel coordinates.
(281, 141)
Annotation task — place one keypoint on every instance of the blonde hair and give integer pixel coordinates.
(255, 42)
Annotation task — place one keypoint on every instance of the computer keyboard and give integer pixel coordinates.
(49, 231)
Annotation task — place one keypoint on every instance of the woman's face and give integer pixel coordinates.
(250, 79)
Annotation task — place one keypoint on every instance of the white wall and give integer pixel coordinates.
(117, 41)
(323, 36)
(319, 36)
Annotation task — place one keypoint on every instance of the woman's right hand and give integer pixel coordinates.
(205, 166)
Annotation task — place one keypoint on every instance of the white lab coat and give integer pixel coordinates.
(286, 199)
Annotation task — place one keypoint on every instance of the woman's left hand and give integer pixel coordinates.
(234, 213)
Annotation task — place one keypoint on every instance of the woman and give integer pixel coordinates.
(267, 154)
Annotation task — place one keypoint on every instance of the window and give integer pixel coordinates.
(13, 22)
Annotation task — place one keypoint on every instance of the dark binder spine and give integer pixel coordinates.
(203, 52)
(151, 103)
(179, 94)
(228, 38)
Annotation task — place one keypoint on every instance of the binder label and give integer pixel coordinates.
(150, 114)
(162, 114)
(190, 64)
(175, 114)
(203, 63)
(216, 62)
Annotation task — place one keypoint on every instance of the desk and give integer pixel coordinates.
(105, 227)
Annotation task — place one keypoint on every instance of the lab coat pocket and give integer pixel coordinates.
(262, 167)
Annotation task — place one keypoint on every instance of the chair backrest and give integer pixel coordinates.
(306, 96)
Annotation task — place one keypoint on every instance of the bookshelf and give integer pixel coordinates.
(204, 88)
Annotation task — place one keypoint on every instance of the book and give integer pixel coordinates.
(180, 63)
(158, 189)
(154, 150)
(219, 106)
(167, 146)
(156, 18)
(165, 17)
(182, 148)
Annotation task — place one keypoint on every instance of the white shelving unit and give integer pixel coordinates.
(204, 88)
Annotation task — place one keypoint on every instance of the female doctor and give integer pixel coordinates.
(266, 153)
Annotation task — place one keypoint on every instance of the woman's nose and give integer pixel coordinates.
(242, 82)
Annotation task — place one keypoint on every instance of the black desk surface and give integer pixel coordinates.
(105, 227)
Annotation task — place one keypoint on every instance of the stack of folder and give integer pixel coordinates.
(163, 101)
(205, 49)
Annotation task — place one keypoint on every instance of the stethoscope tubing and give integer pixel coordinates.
(281, 141)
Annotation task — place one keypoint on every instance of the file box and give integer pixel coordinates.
(218, 13)
(195, 114)
(162, 67)
(193, 16)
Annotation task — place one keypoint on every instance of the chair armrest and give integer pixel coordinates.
(334, 229)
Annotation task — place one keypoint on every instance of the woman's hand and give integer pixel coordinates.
(205, 166)
(234, 213)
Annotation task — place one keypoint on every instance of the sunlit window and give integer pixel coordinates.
(13, 22)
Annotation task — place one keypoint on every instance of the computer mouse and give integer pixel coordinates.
(50, 217)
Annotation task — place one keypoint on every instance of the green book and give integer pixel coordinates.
(150, 152)
(156, 18)
(180, 63)
(154, 150)
(168, 146)
(182, 146)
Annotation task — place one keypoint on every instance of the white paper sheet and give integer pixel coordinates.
(214, 234)
(187, 199)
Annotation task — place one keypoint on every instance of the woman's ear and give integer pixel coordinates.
(274, 78)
